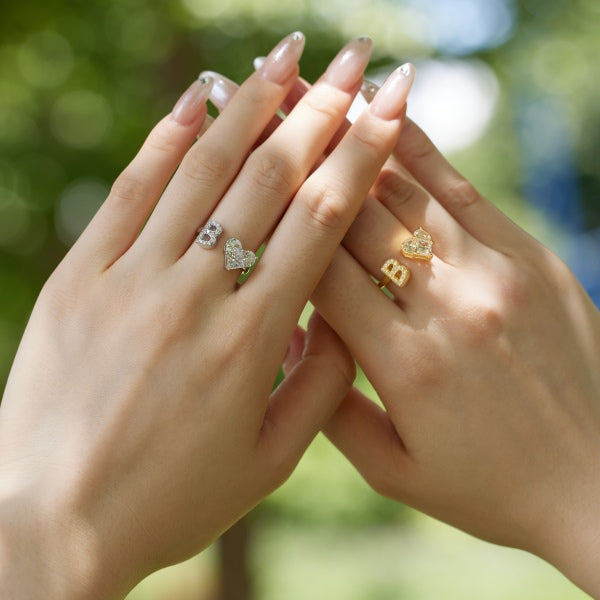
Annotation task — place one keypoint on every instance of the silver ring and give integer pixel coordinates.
(207, 236)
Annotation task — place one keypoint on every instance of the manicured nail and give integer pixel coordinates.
(283, 59)
(188, 106)
(350, 63)
(389, 101)
(222, 90)
(368, 90)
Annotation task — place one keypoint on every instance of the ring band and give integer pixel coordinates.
(419, 245)
(208, 235)
(394, 271)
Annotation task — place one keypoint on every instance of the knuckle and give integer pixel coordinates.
(319, 101)
(273, 172)
(392, 190)
(327, 209)
(127, 189)
(369, 140)
(206, 165)
(255, 97)
(417, 146)
(162, 141)
(461, 194)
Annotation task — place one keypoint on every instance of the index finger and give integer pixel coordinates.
(313, 227)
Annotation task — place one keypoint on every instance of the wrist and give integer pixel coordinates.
(569, 537)
(46, 553)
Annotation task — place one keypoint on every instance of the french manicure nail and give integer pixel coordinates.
(281, 62)
(222, 90)
(350, 63)
(188, 106)
(389, 101)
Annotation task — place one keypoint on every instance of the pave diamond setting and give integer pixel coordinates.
(207, 237)
(236, 257)
(418, 246)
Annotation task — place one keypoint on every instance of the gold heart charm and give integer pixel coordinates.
(236, 257)
(418, 246)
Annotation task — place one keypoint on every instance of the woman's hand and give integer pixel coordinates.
(487, 363)
(138, 421)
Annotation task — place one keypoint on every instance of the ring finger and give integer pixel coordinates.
(273, 173)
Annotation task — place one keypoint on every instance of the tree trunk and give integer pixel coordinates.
(236, 578)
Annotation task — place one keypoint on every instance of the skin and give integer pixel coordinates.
(138, 421)
(487, 364)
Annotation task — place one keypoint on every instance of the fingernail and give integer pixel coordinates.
(188, 106)
(282, 61)
(389, 101)
(368, 90)
(222, 90)
(258, 62)
(350, 63)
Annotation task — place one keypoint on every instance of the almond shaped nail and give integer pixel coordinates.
(347, 68)
(188, 107)
(389, 101)
(223, 89)
(282, 61)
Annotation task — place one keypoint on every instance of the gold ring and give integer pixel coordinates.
(394, 271)
(419, 245)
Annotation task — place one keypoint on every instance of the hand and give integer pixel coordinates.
(138, 421)
(487, 363)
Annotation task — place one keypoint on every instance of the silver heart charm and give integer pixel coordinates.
(208, 235)
(236, 257)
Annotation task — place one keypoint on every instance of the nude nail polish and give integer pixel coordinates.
(389, 101)
(347, 68)
(222, 90)
(282, 61)
(188, 106)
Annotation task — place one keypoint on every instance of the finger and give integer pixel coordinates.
(318, 380)
(411, 205)
(376, 236)
(361, 314)
(365, 434)
(455, 193)
(136, 191)
(211, 165)
(328, 202)
(273, 173)
(294, 351)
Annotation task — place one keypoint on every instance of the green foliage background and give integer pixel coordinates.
(82, 82)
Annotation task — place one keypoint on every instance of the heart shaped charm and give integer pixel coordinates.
(418, 246)
(236, 257)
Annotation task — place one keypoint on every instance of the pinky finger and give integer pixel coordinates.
(365, 434)
(138, 188)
